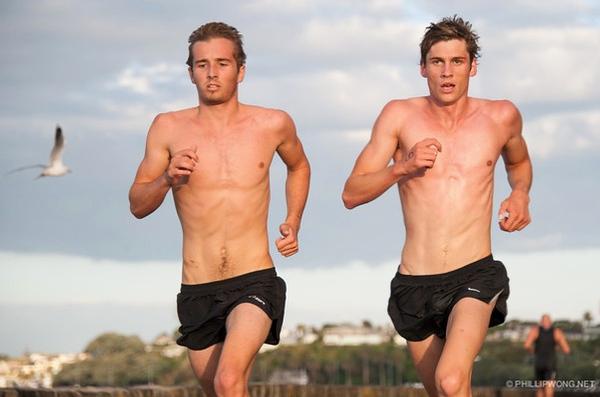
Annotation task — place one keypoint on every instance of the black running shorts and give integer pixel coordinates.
(203, 308)
(420, 305)
(545, 373)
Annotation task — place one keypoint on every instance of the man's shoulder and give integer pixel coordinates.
(174, 116)
(261, 111)
(499, 109)
(266, 118)
(395, 105)
(397, 109)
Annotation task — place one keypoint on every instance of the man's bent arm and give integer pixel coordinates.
(514, 211)
(363, 188)
(516, 157)
(560, 338)
(151, 184)
(372, 175)
(146, 197)
(531, 337)
(298, 174)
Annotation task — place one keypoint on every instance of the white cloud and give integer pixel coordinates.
(329, 293)
(360, 136)
(290, 6)
(339, 98)
(59, 279)
(143, 79)
(543, 64)
(563, 133)
(360, 39)
(387, 5)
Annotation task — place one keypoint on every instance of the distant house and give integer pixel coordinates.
(514, 331)
(289, 377)
(591, 332)
(35, 370)
(166, 345)
(301, 335)
(354, 335)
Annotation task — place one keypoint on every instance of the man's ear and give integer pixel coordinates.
(473, 70)
(241, 73)
(423, 70)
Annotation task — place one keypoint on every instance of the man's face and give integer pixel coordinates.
(447, 68)
(546, 321)
(214, 70)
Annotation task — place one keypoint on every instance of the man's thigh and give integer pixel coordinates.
(247, 329)
(467, 326)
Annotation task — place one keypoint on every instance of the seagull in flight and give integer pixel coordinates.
(55, 167)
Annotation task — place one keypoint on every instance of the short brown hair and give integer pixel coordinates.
(450, 28)
(213, 30)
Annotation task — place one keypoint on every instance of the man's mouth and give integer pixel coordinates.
(447, 87)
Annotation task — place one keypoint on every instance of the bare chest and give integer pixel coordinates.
(235, 158)
(469, 150)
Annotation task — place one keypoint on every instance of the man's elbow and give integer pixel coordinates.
(137, 212)
(349, 201)
(136, 209)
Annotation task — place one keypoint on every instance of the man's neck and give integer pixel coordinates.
(449, 115)
(219, 114)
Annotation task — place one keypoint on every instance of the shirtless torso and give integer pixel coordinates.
(216, 159)
(444, 149)
(447, 208)
(223, 206)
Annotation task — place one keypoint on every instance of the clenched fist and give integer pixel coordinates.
(181, 165)
(421, 155)
(514, 212)
(287, 244)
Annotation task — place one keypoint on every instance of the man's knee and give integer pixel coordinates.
(451, 381)
(229, 382)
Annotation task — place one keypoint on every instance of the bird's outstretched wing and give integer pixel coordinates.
(24, 168)
(59, 145)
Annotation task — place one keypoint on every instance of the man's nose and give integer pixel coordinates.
(212, 71)
(447, 70)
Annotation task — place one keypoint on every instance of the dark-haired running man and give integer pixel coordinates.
(443, 149)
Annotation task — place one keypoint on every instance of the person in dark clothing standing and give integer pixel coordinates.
(542, 341)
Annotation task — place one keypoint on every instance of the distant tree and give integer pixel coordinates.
(117, 360)
(367, 324)
(110, 343)
(569, 326)
(587, 318)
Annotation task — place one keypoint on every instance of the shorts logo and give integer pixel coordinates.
(256, 298)
(473, 289)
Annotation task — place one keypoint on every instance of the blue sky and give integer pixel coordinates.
(74, 262)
